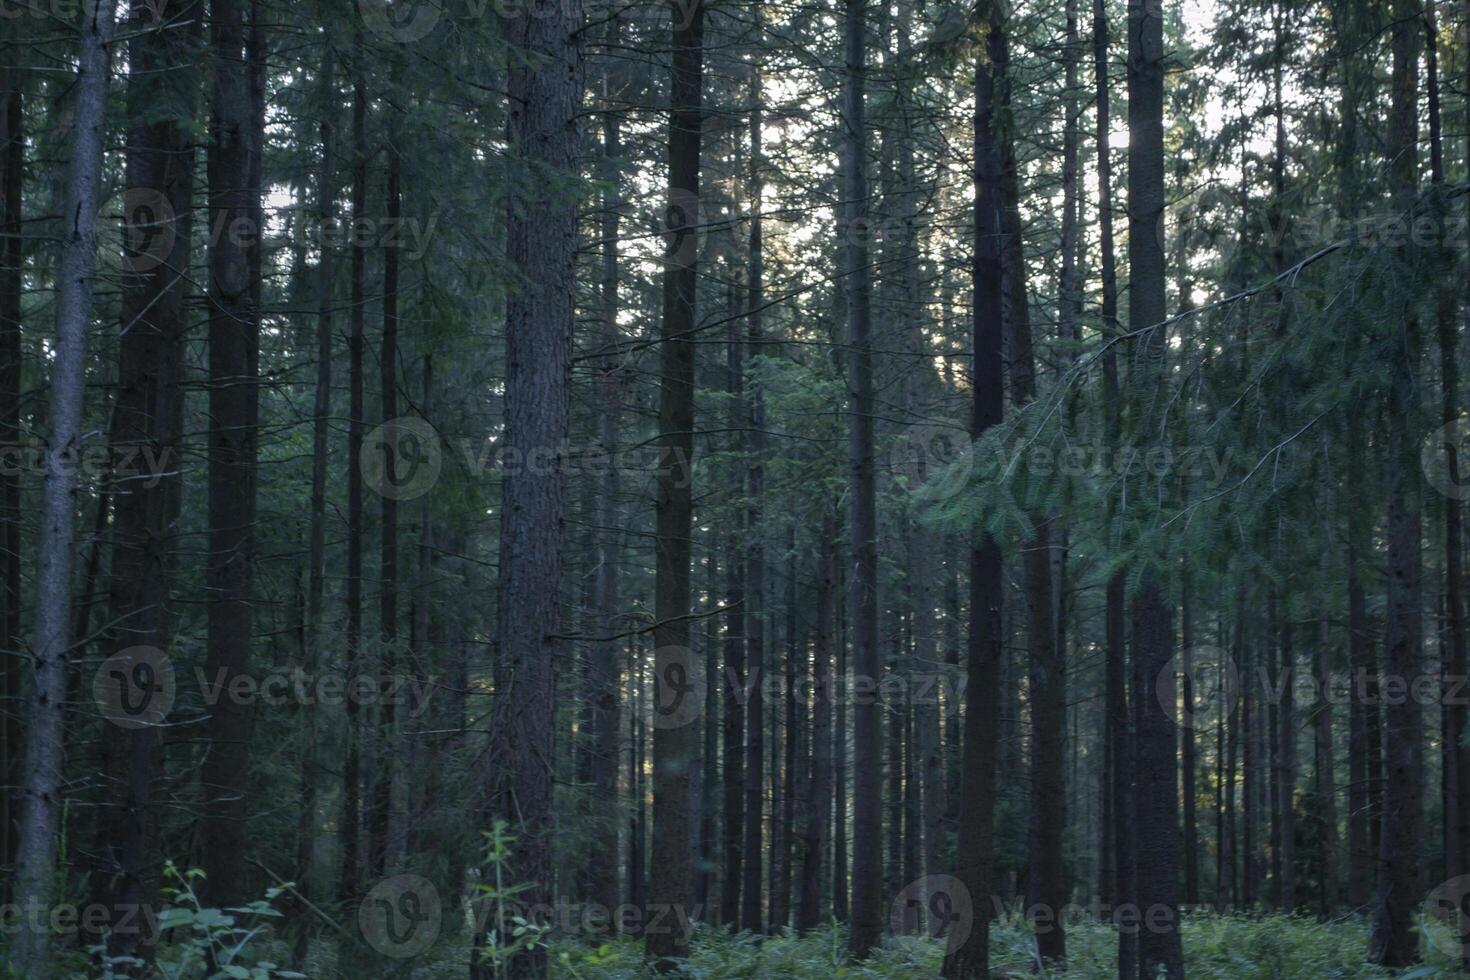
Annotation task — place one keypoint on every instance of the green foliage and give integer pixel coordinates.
(208, 943)
(1262, 948)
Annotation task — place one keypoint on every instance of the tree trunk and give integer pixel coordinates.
(352, 733)
(42, 778)
(673, 753)
(147, 425)
(755, 573)
(819, 809)
(380, 815)
(1456, 755)
(1394, 942)
(1157, 812)
(975, 863)
(867, 792)
(541, 242)
(320, 450)
(12, 265)
(234, 324)
(603, 872)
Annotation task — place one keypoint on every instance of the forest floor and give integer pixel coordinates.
(1260, 948)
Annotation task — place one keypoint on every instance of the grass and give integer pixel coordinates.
(1272, 947)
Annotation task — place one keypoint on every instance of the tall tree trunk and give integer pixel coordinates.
(841, 908)
(792, 781)
(1325, 788)
(12, 265)
(1286, 774)
(867, 792)
(147, 425)
(351, 771)
(1394, 942)
(1157, 811)
(320, 450)
(975, 863)
(380, 815)
(1046, 871)
(234, 324)
(755, 570)
(1189, 752)
(734, 680)
(42, 777)
(819, 809)
(673, 753)
(603, 873)
(1456, 760)
(541, 242)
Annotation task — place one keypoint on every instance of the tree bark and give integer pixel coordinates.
(234, 324)
(867, 791)
(975, 863)
(42, 777)
(1157, 810)
(1394, 941)
(673, 753)
(819, 810)
(12, 266)
(147, 425)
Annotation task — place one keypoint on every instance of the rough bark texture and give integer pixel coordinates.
(819, 810)
(12, 263)
(234, 325)
(975, 862)
(42, 775)
(1400, 874)
(348, 881)
(1156, 820)
(673, 745)
(867, 790)
(147, 422)
(545, 95)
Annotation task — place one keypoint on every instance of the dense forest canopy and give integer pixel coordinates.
(604, 488)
